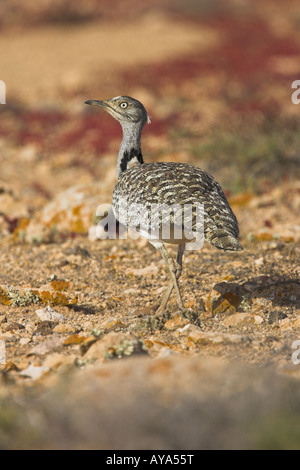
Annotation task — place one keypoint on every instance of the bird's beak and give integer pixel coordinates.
(106, 105)
(101, 104)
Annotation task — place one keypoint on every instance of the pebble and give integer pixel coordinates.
(34, 372)
(238, 318)
(296, 323)
(285, 324)
(49, 314)
(63, 328)
(112, 324)
(225, 298)
(129, 291)
(72, 209)
(24, 340)
(55, 360)
(146, 271)
(13, 326)
(198, 336)
(176, 322)
(275, 316)
(47, 346)
(258, 319)
(74, 339)
(113, 345)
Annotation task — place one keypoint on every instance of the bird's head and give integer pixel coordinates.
(124, 109)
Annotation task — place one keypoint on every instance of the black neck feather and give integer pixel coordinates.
(130, 155)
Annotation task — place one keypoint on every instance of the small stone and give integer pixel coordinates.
(63, 328)
(112, 324)
(285, 324)
(258, 319)
(129, 291)
(144, 311)
(275, 316)
(54, 361)
(4, 297)
(176, 322)
(190, 304)
(55, 298)
(22, 364)
(296, 323)
(34, 372)
(10, 366)
(74, 339)
(224, 307)
(29, 327)
(52, 344)
(60, 285)
(14, 326)
(114, 345)
(165, 352)
(45, 327)
(147, 344)
(49, 314)
(24, 341)
(8, 336)
(146, 271)
(87, 343)
(72, 210)
(184, 328)
(225, 298)
(199, 337)
(238, 319)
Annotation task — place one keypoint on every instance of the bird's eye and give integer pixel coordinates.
(123, 105)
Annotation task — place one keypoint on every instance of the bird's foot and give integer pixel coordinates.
(165, 300)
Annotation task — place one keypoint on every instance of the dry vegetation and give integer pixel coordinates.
(85, 353)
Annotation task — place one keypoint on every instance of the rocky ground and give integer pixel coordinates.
(85, 360)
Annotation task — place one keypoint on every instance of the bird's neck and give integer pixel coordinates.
(130, 149)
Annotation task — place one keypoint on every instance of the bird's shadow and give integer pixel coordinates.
(280, 290)
(85, 309)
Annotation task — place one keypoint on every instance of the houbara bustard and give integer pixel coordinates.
(165, 184)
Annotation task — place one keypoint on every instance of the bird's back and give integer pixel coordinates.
(169, 184)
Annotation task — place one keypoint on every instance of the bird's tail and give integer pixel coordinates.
(225, 241)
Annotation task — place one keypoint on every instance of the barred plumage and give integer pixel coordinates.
(180, 183)
(149, 185)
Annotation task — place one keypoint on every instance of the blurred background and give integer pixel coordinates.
(216, 79)
(214, 76)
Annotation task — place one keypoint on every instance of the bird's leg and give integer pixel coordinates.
(165, 298)
(175, 272)
(180, 252)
